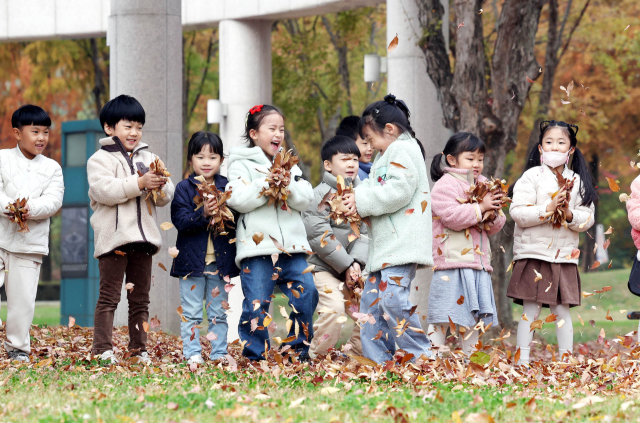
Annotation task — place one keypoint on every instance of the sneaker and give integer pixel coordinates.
(144, 357)
(109, 356)
(221, 360)
(18, 355)
(195, 359)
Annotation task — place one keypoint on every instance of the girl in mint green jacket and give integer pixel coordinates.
(396, 200)
(264, 232)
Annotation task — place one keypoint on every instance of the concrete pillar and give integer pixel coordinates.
(408, 80)
(145, 41)
(245, 81)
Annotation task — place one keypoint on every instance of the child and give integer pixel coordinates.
(538, 247)
(264, 232)
(124, 224)
(337, 260)
(26, 174)
(349, 128)
(396, 198)
(204, 260)
(633, 211)
(461, 273)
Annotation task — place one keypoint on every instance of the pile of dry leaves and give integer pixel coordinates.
(558, 216)
(16, 212)
(608, 367)
(157, 167)
(339, 210)
(279, 179)
(480, 190)
(222, 217)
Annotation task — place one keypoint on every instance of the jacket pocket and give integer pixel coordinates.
(455, 244)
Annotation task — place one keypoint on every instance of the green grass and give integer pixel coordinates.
(75, 396)
(619, 298)
(44, 315)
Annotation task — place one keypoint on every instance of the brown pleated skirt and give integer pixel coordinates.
(560, 283)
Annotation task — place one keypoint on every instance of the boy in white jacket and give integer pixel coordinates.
(26, 174)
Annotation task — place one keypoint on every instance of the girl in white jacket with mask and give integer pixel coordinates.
(545, 271)
(271, 240)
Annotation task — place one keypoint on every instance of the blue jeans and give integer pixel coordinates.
(191, 300)
(394, 301)
(257, 286)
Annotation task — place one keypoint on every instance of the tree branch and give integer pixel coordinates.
(575, 25)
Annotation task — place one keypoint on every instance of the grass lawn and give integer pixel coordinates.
(46, 314)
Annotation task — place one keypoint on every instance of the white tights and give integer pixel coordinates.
(437, 336)
(564, 333)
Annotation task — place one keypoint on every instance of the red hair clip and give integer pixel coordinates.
(256, 109)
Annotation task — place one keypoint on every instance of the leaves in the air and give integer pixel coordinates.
(595, 265)
(173, 252)
(460, 300)
(393, 44)
(258, 237)
(567, 90)
(227, 288)
(613, 184)
(424, 205)
(162, 266)
(397, 165)
(309, 269)
(408, 212)
(129, 286)
(215, 292)
(72, 321)
(529, 80)
(165, 226)
(460, 25)
(538, 275)
(120, 253)
(279, 245)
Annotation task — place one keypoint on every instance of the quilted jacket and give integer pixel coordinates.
(193, 234)
(454, 219)
(330, 258)
(393, 196)
(120, 214)
(633, 211)
(534, 236)
(248, 168)
(39, 181)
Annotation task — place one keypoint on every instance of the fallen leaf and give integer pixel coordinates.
(72, 321)
(145, 326)
(120, 253)
(595, 265)
(409, 212)
(580, 318)
(465, 251)
(461, 300)
(309, 268)
(215, 292)
(609, 231)
(613, 185)
(424, 205)
(162, 266)
(460, 25)
(538, 276)
(258, 237)
(228, 287)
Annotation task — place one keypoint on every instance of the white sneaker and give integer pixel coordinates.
(144, 357)
(196, 359)
(109, 356)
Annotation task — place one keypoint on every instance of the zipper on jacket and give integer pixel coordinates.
(395, 231)
(116, 217)
(129, 159)
(243, 224)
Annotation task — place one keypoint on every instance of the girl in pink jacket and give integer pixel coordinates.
(633, 211)
(461, 289)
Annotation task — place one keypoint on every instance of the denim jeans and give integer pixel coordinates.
(191, 300)
(257, 287)
(394, 302)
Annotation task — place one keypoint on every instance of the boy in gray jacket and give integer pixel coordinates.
(337, 261)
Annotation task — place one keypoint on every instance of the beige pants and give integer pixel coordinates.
(20, 277)
(326, 329)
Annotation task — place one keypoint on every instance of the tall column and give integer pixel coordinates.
(145, 40)
(245, 81)
(408, 80)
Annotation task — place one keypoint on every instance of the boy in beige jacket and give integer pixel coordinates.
(126, 234)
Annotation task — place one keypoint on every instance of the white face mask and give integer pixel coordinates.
(554, 159)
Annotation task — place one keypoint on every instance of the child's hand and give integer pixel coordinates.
(349, 200)
(353, 275)
(558, 201)
(151, 181)
(564, 206)
(491, 201)
(27, 212)
(210, 207)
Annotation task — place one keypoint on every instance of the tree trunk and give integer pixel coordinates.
(343, 65)
(99, 88)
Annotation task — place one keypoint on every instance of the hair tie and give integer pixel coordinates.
(256, 109)
(390, 98)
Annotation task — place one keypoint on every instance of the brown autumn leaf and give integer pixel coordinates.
(279, 246)
(384, 265)
(408, 212)
(609, 231)
(595, 265)
(613, 185)
(120, 253)
(295, 293)
(603, 290)
(215, 292)
(538, 275)
(393, 44)
(424, 205)
(460, 25)
(529, 80)
(382, 286)
(397, 165)
(72, 321)
(162, 266)
(608, 316)
(16, 212)
(165, 226)
(246, 270)
(536, 325)
(309, 269)
(551, 318)
(279, 178)
(452, 326)
(258, 237)
(465, 251)
(145, 326)
(460, 300)
(129, 286)
(606, 244)
(396, 279)
(374, 302)
(173, 252)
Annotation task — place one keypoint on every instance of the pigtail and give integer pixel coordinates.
(588, 190)
(437, 171)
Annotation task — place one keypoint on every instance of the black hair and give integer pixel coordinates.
(123, 107)
(200, 139)
(349, 127)
(339, 144)
(457, 144)
(588, 190)
(30, 115)
(255, 117)
(390, 110)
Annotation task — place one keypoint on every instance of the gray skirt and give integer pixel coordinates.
(474, 285)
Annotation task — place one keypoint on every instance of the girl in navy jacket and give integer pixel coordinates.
(207, 261)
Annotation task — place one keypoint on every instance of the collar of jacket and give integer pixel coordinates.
(366, 167)
(114, 145)
(219, 180)
(463, 175)
(19, 153)
(332, 181)
(254, 154)
(546, 168)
